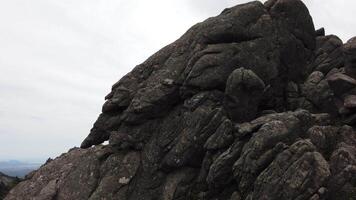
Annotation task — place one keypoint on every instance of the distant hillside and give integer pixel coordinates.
(6, 183)
(17, 168)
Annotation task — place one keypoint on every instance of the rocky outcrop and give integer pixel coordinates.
(6, 183)
(252, 104)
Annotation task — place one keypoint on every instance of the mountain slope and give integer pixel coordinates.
(251, 104)
(6, 183)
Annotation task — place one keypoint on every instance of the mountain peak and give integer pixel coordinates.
(251, 104)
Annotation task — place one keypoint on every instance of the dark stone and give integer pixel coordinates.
(328, 54)
(296, 173)
(320, 32)
(261, 149)
(342, 183)
(243, 93)
(6, 184)
(198, 125)
(220, 172)
(350, 57)
(341, 83)
(251, 104)
(244, 130)
(273, 45)
(350, 101)
(222, 138)
(317, 91)
(324, 138)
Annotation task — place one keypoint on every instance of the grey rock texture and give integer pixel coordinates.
(253, 104)
(6, 184)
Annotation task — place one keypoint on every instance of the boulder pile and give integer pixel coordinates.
(253, 104)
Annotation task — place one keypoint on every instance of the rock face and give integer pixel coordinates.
(252, 104)
(6, 183)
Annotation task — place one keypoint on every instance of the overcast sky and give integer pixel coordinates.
(59, 58)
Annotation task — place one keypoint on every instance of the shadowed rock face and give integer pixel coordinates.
(6, 183)
(252, 104)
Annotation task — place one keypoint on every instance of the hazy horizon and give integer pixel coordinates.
(59, 59)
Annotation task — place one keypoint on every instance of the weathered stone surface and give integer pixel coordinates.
(246, 129)
(220, 172)
(350, 57)
(262, 148)
(341, 83)
(243, 93)
(317, 91)
(328, 54)
(297, 173)
(6, 183)
(222, 138)
(254, 36)
(320, 32)
(80, 174)
(344, 89)
(343, 166)
(350, 101)
(250, 104)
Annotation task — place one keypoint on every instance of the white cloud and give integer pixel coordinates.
(337, 16)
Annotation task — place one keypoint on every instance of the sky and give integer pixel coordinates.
(59, 58)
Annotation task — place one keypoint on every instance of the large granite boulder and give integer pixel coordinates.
(251, 104)
(243, 93)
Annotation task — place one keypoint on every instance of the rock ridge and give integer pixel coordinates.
(253, 104)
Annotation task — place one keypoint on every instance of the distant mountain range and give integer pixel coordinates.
(17, 168)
